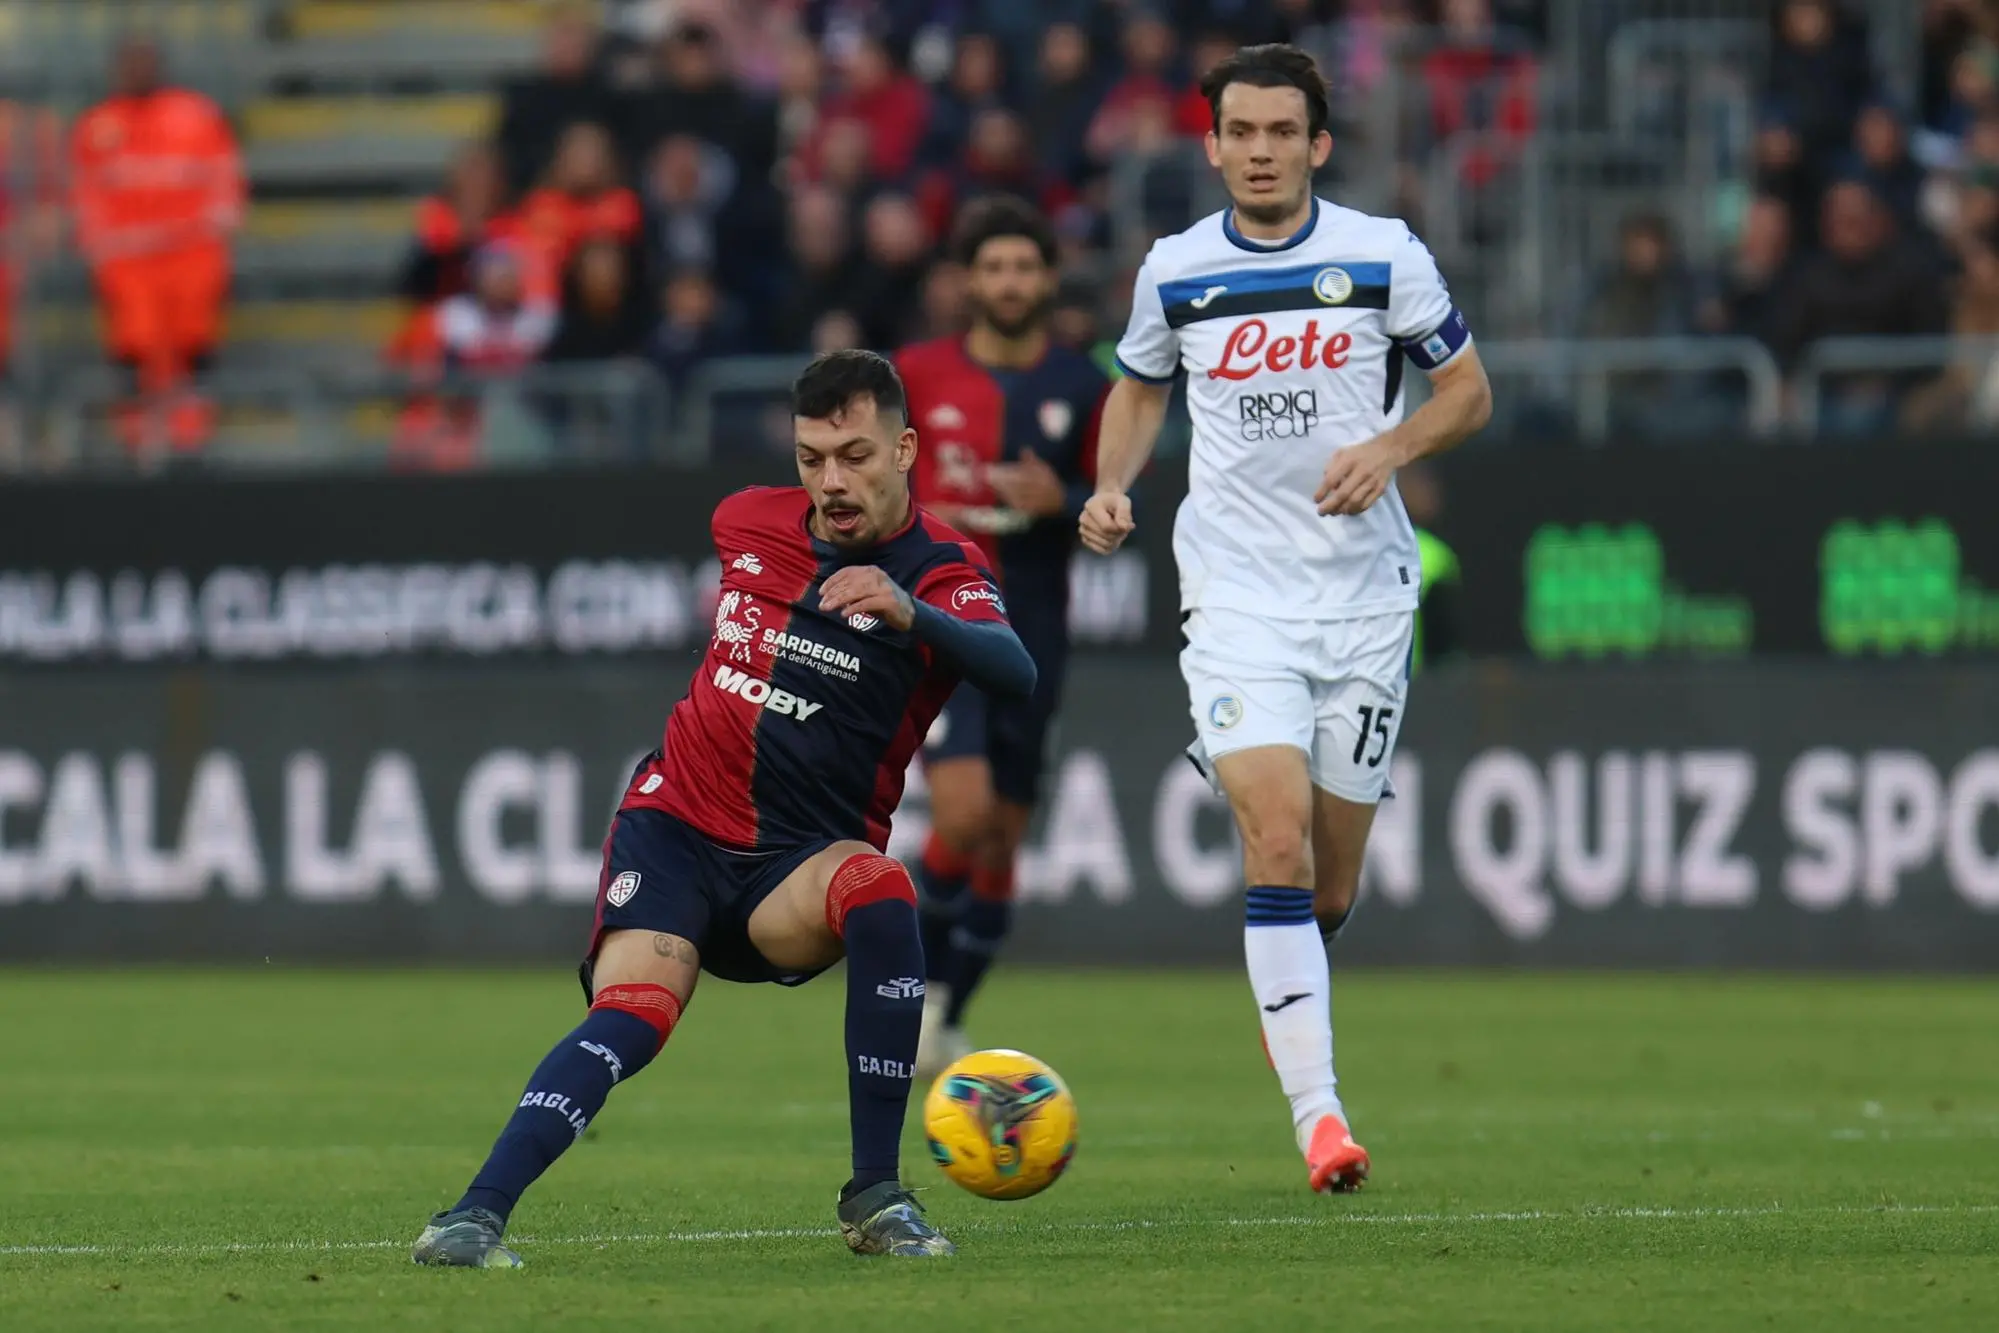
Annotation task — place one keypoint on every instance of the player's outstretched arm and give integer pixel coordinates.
(1133, 415)
(979, 645)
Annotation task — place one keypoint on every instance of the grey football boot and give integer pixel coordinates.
(887, 1219)
(468, 1238)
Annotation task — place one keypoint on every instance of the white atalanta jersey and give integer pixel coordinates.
(1292, 351)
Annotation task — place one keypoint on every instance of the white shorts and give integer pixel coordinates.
(1332, 688)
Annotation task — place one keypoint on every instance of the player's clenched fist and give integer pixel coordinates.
(1106, 521)
(864, 590)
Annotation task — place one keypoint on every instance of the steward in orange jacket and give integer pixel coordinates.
(157, 188)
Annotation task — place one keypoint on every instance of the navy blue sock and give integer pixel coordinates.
(884, 1018)
(974, 944)
(567, 1090)
(944, 877)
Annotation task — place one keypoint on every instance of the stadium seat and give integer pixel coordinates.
(359, 141)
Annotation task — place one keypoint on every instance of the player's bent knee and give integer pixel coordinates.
(964, 827)
(861, 881)
(1276, 852)
(1331, 902)
(962, 808)
(655, 1006)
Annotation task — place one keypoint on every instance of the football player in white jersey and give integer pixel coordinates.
(1291, 318)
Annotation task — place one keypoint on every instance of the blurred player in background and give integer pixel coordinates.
(749, 845)
(1009, 427)
(1299, 572)
(158, 189)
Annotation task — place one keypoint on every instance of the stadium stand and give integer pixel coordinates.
(1627, 194)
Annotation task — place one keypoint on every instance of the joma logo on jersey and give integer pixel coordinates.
(1278, 416)
(1251, 350)
(759, 692)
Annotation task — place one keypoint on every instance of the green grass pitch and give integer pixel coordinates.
(256, 1149)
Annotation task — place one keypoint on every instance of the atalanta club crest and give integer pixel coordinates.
(1056, 417)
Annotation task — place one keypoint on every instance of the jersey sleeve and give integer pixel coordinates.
(1149, 352)
(963, 589)
(1421, 319)
(962, 622)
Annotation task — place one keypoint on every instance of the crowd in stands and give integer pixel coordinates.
(1867, 217)
(675, 181)
(681, 182)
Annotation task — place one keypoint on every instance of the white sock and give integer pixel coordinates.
(1293, 982)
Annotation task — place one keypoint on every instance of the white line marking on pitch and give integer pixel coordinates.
(1224, 1223)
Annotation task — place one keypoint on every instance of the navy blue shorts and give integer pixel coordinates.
(661, 874)
(1009, 734)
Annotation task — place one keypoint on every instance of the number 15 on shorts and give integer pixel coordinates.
(1370, 747)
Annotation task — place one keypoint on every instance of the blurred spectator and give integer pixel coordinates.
(1974, 87)
(1881, 156)
(838, 158)
(977, 84)
(800, 90)
(895, 253)
(1066, 93)
(1870, 281)
(604, 315)
(1192, 116)
(698, 325)
(996, 159)
(497, 327)
(1479, 80)
(1968, 391)
(1784, 175)
(889, 104)
(450, 228)
(1308, 23)
(537, 109)
(454, 223)
(1965, 203)
(158, 191)
(835, 330)
(1950, 29)
(822, 274)
(1748, 300)
(582, 200)
(1137, 114)
(1073, 323)
(701, 213)
(493, 330)
(696, 96)
(1819, 69)
(945, 313)
(1647, 296)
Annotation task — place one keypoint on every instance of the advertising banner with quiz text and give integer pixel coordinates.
(1806, 815)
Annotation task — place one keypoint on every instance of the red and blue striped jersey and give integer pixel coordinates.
(799, 725)
(969, 416)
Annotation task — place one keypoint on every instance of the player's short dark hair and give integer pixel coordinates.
(835, 379)
(1000, 215)
(1271, 65)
